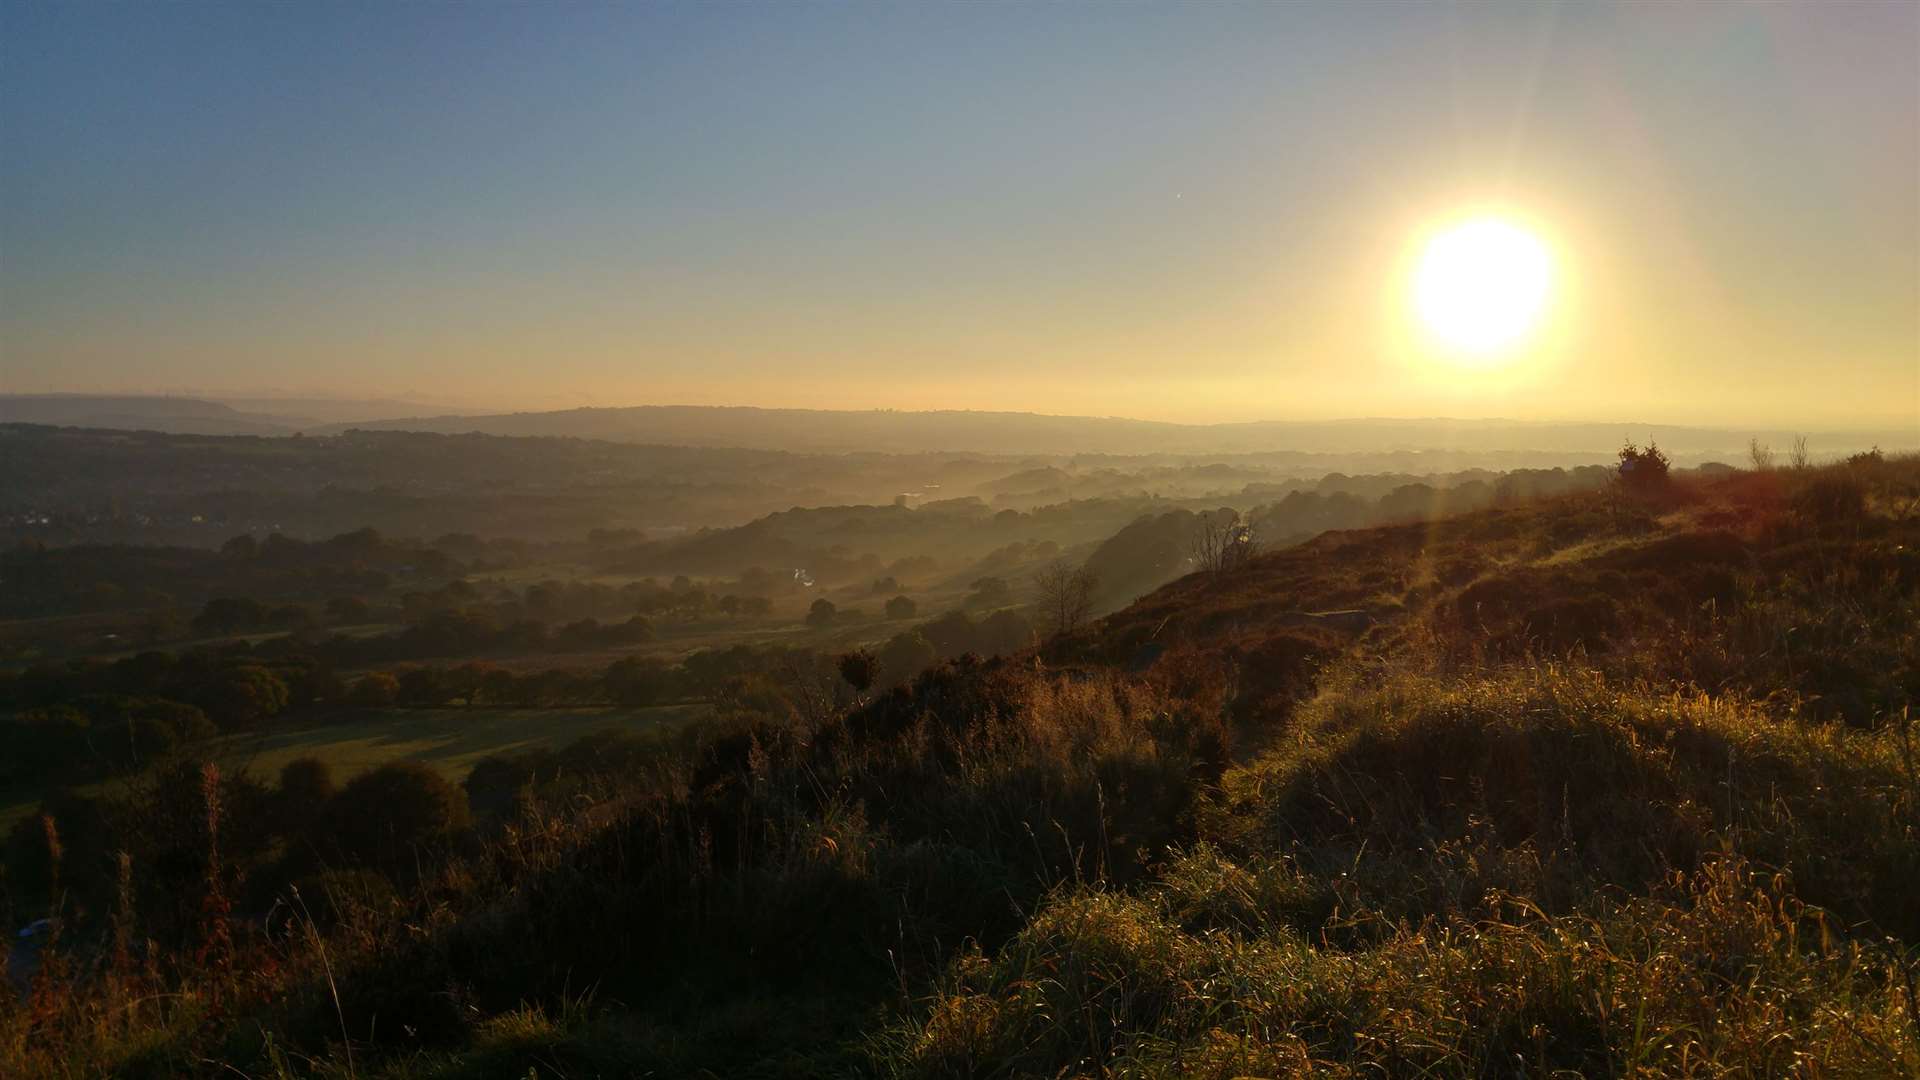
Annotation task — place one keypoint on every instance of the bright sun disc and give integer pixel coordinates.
(1482, 285)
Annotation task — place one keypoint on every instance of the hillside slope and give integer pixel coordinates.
(1597, 785)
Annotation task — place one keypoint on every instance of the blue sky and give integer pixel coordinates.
(1189, 212)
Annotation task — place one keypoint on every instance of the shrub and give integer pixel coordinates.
(906, 655)
(951, 634)
(821, 614)
(1005, 631)
(306, 783)
(1833, 496)
(381, 816)
(859, 669)
(1644, 471)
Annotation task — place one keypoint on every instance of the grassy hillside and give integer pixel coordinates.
(1610, 784)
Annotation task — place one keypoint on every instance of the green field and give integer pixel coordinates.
(449, 740)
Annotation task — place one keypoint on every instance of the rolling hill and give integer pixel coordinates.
(1614, 782)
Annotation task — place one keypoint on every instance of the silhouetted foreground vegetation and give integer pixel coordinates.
(1617, 782)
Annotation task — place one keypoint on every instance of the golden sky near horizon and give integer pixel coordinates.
(1187, 213)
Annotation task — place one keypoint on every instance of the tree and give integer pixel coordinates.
(1224, 542)
(821, 614)
(952, 634)
(1005, 631)
(307, 781)
(1064, 598)
(306, 785)
(229, 614)
(143, 674)
(498, 686)
(374, 690)
(424, 686)
(1760, 454)
(243, 695)
(46, 741)
(901, 607)
(989, 592)
(1800, 457)
(1644, 471)
(187, 723)
(906, 655)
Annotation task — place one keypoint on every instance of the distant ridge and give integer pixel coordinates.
(889, 431)
(186, 415)
(173, 415)
(935, 431)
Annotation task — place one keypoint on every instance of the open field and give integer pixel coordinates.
(449, 740)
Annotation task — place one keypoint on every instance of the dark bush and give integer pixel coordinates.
(380, 817)
(1644, 471)
(859, 668)
(821, 613)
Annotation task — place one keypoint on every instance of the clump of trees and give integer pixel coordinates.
(1644, 471)
(989, 592)
(80, 722)
(96, 735)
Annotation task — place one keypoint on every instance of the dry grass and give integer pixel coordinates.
(1718, 973)
(1605, 788)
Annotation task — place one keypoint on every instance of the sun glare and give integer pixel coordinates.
(1481, 287)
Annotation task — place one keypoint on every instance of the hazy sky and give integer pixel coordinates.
(1179, 212)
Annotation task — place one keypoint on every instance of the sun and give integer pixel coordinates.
(1481, 286)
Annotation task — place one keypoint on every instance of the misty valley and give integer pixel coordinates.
(479, 718)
